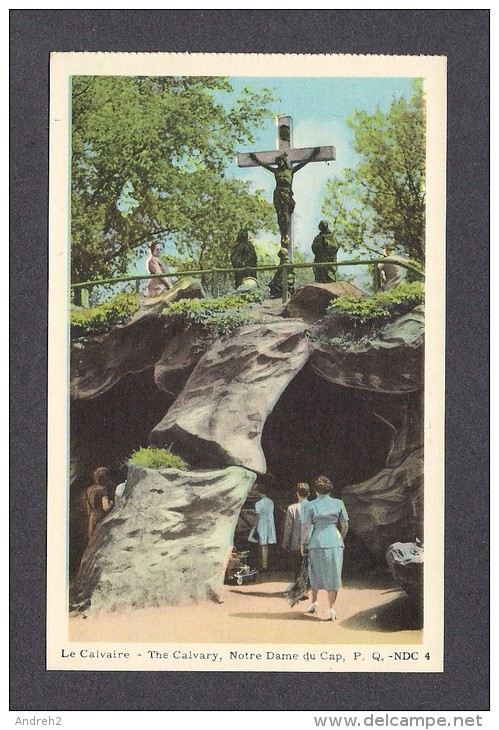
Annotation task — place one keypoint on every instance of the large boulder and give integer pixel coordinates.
(165, 542)
(311, 300)
(184, 288)
(406, 564)
(181, 352)
(391, 362)
(218, 418)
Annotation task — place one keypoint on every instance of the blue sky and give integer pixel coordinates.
(319, 108)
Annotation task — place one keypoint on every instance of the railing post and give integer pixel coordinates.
(137, 287)
(215, 287)
(81, 298)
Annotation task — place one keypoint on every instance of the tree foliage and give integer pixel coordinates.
(214, 218)
(382, 200)
(149, 159)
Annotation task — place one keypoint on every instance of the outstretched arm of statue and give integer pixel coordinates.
(259, 162)
(311, 156)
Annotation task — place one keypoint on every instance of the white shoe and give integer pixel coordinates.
(332, 615)
(312, 608)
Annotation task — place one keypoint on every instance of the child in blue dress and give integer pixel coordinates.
(264, 528)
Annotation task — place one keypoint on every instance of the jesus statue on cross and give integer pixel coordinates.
(284, 165)
(284, 202)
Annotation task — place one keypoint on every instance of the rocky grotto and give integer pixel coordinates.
(274, 400)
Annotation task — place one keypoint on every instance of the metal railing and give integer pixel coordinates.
(85, 287)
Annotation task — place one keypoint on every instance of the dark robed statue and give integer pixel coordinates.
(243, 255)
(325, 249)
(275, 284)
(284, 203)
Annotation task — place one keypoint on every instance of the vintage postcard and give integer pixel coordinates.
(246, 363)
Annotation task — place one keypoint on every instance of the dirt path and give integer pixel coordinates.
(258, 613)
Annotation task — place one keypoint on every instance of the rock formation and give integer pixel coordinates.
(310, 300)
(266, 399)
(166, 540)
(388, 504)
(127, 348)
(219, 416)
(390, 363)
(406, 564)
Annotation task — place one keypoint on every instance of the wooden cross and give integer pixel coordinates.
(295, 158)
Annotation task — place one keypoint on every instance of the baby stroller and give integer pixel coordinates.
(238, 569)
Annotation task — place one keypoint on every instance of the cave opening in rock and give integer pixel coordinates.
(316, 427)
(319, 427)
(105, 431)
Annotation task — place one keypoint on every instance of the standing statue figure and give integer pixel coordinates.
(243, 254)
(390, 275)
(284, 203)
(99, 498)
(325, 249)
(275, 284)
(159, 284)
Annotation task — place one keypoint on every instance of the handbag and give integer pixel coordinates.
(301, 586)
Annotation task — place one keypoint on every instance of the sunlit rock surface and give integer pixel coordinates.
(311, 300)
(165, 542)
(219, 416)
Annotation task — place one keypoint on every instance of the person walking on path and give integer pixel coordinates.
(291, 541)
(263, 532)
(324, 527)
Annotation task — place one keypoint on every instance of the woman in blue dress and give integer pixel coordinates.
(264, 527)
(324, 526)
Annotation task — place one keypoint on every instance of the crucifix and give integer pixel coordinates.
(284, 163)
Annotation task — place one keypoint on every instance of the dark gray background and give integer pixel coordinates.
(462, 36)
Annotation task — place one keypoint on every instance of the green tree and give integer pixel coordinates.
(149, 158)
(214, 219)
(382, 200)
